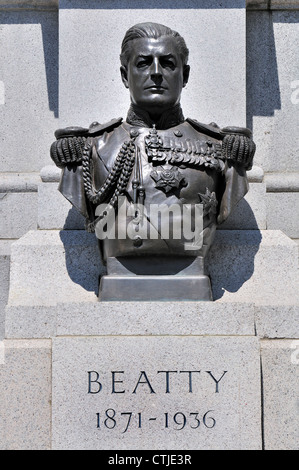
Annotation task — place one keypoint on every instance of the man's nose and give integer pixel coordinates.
(156, 70)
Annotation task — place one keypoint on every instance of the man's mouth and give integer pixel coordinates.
(155, 87)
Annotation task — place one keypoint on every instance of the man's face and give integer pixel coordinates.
(155, 74)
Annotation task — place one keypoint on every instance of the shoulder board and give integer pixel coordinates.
(209, 129)
(97, 129)
(94, 129)
(214, 131)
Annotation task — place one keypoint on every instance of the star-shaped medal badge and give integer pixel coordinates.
(209, 202)
(168, 178)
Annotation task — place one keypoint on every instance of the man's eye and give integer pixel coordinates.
(168, 64)
(142, 63)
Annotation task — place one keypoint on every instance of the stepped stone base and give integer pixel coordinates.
(79, 373)
(50, 267)
(102, 351)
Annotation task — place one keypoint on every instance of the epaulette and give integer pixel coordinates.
(215, 131)
(95, 129)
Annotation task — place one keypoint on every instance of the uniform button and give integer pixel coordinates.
(178, 133)
(134, 132)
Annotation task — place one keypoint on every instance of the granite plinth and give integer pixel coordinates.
(156, 393)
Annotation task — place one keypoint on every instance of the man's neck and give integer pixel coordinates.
(169, 118)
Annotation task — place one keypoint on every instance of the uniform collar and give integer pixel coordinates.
(170, 118)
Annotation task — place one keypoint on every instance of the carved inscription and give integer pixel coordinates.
(161, 382)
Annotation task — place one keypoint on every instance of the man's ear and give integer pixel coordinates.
(124, 75)
(186, 73)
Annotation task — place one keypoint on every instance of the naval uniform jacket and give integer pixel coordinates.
(182, 163)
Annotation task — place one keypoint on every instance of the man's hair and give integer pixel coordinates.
(154, 31)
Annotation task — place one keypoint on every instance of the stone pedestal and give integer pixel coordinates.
(149, 375)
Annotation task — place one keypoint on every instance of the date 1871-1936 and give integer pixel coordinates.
(110, 419)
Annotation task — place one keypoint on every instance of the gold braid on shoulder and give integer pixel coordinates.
(238, 148)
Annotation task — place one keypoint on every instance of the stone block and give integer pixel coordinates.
(19, 182)
(55, 211)
(282, 182)
(18, 214)
(282, 212)
(156, 393)
(281, 321)
(25, 395)
(32, 321)
(48, 267)
(280, 373)
(254, 266)
(129, 318)
(156, 318)
(216, 88)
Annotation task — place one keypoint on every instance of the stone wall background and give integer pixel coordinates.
(32, 107)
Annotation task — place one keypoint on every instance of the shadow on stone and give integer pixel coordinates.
(74, 220)
(230, 262)
(82, 258)
(49, 30)
(262, 81)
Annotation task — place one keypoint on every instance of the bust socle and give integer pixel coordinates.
(154, 187)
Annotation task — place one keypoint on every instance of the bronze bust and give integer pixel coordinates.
(122, 170)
